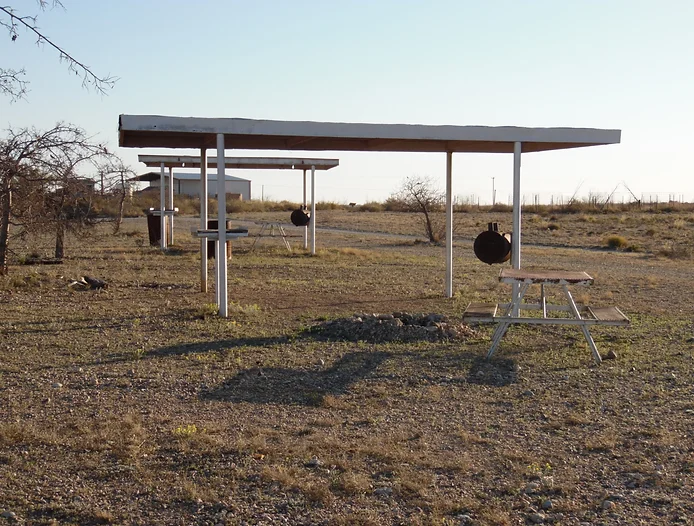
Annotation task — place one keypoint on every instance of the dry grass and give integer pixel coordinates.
(139, 405)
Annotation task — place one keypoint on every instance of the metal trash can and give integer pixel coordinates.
(493, 246)
(300, 217)
(212, 244)
(154, 228)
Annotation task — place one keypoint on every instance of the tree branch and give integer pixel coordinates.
(101, 84)
(12, 84)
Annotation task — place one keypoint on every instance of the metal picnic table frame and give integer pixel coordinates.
(578, 315)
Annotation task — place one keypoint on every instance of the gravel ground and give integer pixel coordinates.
(135, 405)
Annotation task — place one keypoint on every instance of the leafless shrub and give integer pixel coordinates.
(419, 194)
(40, 189)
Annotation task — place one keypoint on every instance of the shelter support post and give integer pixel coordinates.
(449, 224)
(304, 204)
(313, 210)
(516, 236)
(221, 257)
(171, 205)
(203, 219)
(162, 208)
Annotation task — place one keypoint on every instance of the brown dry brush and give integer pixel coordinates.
(420, 195)
(114, 176)
(39, 186)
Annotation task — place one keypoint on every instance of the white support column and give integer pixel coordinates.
(203, 219)
(313, 210)
(304, 204)
(171, 205)
(516, 236)
(162, 209)
(449, 224)
(221, 258)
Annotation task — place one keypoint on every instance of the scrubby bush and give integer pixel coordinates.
(677, 252)
(615, 241)
(330, 205)
(500, 208)
(395, 204)
(238, 207)
(137, 206)
(371, 206)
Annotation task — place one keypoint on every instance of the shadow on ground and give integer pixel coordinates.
(216, 346)
(425, 328)
(448, 364)
(269, 385)
(497, 372)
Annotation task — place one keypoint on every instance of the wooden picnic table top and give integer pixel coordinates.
(559, 277)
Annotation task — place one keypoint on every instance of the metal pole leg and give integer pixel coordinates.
(503, 326)
(304, 208)
(591, 344)
(262, 229)
(496, 338)
(284, 238)
(203, 219)
(584, 328)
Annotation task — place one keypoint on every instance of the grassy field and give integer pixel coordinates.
(137, 405)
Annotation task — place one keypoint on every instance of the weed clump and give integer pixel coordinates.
(677, 252)
(616, 242)
(207, 310)
(244, 309)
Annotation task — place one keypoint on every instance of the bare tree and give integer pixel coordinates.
(67, 199)
(42, 168)
(419, 194)
(114, 175)
(12, 81)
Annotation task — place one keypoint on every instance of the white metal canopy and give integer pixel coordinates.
(139, 131)
(241, 163)
(247, 163)
(248, 134)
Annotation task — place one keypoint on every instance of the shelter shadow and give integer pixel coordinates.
(184, 349)
(496, 372)
(269, 385)
(217, 345)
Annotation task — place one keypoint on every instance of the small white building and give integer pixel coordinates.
(188, 183)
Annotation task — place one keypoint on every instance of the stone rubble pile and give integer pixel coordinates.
(399, 326)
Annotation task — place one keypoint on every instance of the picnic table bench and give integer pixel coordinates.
(212, 234)
(567, 313)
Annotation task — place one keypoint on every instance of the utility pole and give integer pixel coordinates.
(493, 193)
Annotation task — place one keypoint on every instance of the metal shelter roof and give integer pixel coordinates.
(140, 131)
(249, 163)
(156, 176)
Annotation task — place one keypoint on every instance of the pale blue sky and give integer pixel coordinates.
(592, 63)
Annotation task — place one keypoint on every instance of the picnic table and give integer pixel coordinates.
(566, 312)
(213, 234)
